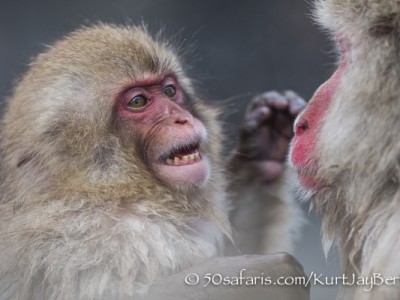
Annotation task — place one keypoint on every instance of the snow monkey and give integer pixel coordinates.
(346, 148)
(112, 174)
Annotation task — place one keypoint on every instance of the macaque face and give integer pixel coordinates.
(308, 125)
(124, 117)
(155, 113)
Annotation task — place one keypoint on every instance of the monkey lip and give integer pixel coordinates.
(182, 155)
(307, 177)
(183, 164)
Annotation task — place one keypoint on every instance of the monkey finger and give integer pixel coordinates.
(255, 118)
(275, 100)
(296, 103)
(277, 148)
(283, 124)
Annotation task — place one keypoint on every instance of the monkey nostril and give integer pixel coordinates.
(181, 120)
(302, 127)
(184, 118)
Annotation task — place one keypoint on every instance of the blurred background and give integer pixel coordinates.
(240, 48)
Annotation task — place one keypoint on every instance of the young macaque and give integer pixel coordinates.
(112, 175)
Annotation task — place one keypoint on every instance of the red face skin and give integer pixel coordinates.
(153, 111)
(308, 126)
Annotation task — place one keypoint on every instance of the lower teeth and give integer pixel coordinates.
(185, 159)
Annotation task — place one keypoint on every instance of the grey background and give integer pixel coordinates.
(241, 48)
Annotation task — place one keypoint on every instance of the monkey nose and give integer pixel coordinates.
(301, 127)
(182, 119)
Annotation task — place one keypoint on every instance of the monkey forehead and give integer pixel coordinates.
(374, 18)
(87, 69)
(103, 50)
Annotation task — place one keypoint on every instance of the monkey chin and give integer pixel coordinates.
(307, 177)
(308, 182)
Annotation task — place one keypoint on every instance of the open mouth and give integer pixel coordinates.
(184, 163)
(182, 155)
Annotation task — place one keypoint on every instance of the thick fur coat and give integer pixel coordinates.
(359, 144)
(81, 215)
(79, 212)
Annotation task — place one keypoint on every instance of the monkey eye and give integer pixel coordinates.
(138, 102)
(169, 91)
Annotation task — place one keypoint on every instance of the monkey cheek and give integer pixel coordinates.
(197, 174)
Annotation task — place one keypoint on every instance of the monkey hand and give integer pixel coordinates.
(266, 132)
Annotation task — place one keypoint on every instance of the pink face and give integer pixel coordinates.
(155, 113)
(307, 128)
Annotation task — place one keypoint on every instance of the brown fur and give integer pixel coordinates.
(359, 148)
(81, 215)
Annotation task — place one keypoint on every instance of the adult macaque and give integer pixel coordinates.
(112, 177)
(346, 148)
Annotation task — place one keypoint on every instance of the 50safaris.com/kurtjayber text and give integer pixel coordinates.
(313, 279)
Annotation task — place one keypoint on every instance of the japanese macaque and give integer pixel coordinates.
(112, 175)
(346, 148)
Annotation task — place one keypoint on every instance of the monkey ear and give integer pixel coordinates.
(383, 26)
(24, 160)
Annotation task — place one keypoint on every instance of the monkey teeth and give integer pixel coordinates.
(184, 160)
